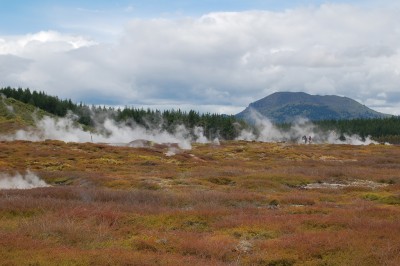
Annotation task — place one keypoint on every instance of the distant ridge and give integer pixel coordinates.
(285, 107)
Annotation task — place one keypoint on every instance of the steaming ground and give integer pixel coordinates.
(18, 181)
(109, 131)
(266, 131)
(65, 129)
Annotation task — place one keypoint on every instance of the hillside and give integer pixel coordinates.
(16, 115)
(285, 107)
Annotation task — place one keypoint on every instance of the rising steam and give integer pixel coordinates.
(265, 131)
(109, 131)
(18, 181)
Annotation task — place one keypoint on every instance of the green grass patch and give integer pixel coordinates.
(383, 198)
(62, 181)
(11, 214)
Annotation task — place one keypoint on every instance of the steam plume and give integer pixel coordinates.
(109, 131)
(18, 181)
(266, 131)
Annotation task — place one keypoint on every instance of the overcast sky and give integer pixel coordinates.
(211, 56)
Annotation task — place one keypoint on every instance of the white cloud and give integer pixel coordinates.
(220, 60)
(43, 42)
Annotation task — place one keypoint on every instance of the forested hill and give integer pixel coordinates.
(214, 125)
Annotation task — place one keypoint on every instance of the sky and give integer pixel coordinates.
(210, 56)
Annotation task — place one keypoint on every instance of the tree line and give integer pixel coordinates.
(380, 129)
(214, 125)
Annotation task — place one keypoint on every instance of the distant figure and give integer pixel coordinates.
(309, 140)
(305, 139)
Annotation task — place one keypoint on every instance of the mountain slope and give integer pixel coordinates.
(16, 115)
(282, 107)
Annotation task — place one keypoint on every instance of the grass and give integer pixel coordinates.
(385, 198)
(240, 203)
(16, 115)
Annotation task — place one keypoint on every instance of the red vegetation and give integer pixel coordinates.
(235, 204)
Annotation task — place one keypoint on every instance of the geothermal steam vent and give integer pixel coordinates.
(18, 181)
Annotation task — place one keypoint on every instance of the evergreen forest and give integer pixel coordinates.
(214, 125)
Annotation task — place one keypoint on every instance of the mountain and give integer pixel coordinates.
(285, 107)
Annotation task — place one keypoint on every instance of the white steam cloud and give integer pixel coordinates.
(18, 181)
(109, 131)
(199, 133)
(117, 133)
(266, 131)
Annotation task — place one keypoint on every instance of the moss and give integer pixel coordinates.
(62, 181)
(221, 181)
(282, 262)
(383, 198)
(392, 200)
(372, 197)
(252, 233)
(118, 184)
(19, 214)
(274, 203)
